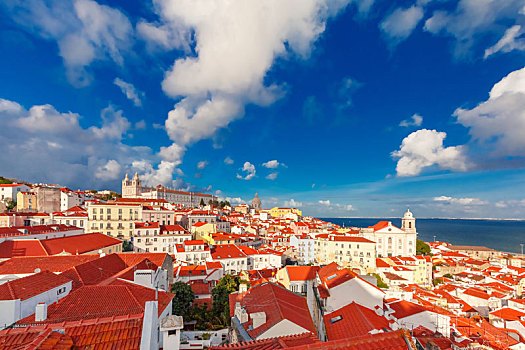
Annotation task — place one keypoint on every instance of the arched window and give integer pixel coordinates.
(410, 225)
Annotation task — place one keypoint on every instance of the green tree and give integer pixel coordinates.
(437, 281)
(448, 275)
(380, 282)
(127, 246)
(11, 205)
(183, 298)
(5, 181)
(202, 203)
(221, 297)
(422, 248)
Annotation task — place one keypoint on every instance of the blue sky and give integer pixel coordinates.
(339, 107)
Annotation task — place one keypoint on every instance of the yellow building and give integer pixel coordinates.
(203, 230)
(26, 201)
(113, 219)
(280, 212)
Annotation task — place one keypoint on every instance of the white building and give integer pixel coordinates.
(305, 247)
(391, 240)
(231, 257)
(348, 251)
(70, 199)
(9, 191)
(17, 301)
(152, 237)
(133, 189)
(192, 252)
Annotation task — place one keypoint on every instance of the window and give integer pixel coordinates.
(61, 290)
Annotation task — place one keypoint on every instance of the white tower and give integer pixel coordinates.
(131, 188)
(408, 223)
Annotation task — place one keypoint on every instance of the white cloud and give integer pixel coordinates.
(424, 148)
(349, 207)
(399, 24)
(272, 176)
(460, 201)
(202, 164)
(140, 125)
(472, 20)
(110, 171)
(235, 200)
(56, 149)
(224, 75)
(271, 164)
(509, 42)
(326, 202)
(228, 161)
(415, 120)
(84, 30)
(498, 124)
(292, 203)
(249, 168)
(130, 91)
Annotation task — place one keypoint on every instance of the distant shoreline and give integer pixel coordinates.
(428, 218)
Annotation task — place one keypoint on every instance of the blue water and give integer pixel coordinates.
(501, 235)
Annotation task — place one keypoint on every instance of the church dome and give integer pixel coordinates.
(408, 214)
(256, 202)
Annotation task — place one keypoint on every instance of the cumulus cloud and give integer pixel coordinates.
(84, 31)
(497, 125)
(399, 24)
(228, 161)
(415, 120)
(130, 91)
(271, 164)
(215, 83)
(56, 149)
(249, 169)
(202, 164)
(325, 202)
(272, 176)
(472, 20)
(424, 148)
(110, 171)
(292, 203)
(460, 201)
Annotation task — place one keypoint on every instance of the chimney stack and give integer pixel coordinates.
(41, 312)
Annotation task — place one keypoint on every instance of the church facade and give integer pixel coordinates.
(391, 240)
(133, 189)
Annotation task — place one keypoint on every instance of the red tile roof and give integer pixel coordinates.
(398, 340)
(277, 302)
(226, 251)
(117, 299)
(301, 273)
(28, 339)
(134, 258)
(79, 244)
(30, 286)
(403, 308)
(22, 247)
(352, 321)
(28, 264)
(508, 314)
(380, 225)
(284, 342)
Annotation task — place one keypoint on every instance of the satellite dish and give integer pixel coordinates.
(37, 270)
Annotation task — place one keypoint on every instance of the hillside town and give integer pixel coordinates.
(156, 268)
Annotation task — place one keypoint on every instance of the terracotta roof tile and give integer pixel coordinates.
(352, 321)
(30, 286)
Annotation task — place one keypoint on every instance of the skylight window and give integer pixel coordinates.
(333, 276)
(336, 318)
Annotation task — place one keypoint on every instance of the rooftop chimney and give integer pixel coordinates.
(41, 312)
